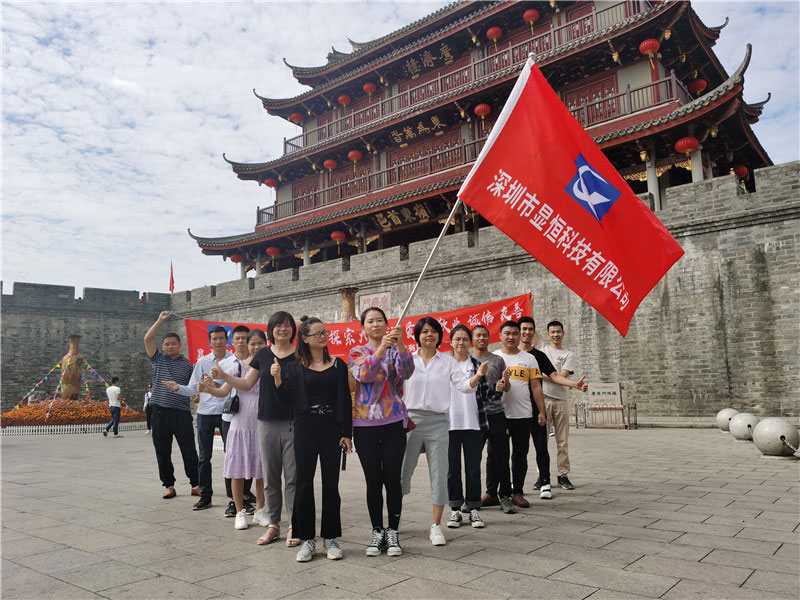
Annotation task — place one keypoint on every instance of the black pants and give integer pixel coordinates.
(539, 435)
(498, 473)
(519, 430)
(472, 443)
(317, 436)
(380, 450)
(168, 422)
(148, 412)
(206, 428)
(226, 425)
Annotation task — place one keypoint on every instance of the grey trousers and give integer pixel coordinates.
(276, 439)
(431, 436)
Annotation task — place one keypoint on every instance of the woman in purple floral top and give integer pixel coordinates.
(379, 421)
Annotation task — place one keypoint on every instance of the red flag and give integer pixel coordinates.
(542, 180)
(171, 279)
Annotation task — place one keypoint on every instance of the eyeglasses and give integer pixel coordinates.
(320, 335)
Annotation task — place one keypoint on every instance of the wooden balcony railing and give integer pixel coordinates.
(631, 101)
(473, 72)
(443, 160)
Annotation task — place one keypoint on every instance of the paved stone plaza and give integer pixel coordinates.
(658, 513)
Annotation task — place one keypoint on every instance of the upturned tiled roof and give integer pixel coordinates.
(314, 218)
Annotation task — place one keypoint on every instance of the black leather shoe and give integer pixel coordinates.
(203, 503)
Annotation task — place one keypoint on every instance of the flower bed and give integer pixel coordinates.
(65, 412)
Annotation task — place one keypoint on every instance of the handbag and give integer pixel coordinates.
(231, 404)
(408, 424)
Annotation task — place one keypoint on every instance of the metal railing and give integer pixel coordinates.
(473, 72)
(631, 101)
(459, 155)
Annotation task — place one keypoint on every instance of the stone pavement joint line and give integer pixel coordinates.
(656, 513)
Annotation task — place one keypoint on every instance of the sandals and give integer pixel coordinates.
(169, 493)
(291, 542)
(272, 533)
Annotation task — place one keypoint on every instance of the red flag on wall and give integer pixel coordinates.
(541, 180)
(171, 279)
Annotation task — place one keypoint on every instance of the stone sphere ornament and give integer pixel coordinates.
(772, 434)
(741, 426)
(724, 416)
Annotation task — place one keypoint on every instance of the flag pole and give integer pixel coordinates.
(428, 262)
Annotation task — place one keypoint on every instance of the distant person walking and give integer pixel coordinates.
(148, 408)
(114, 406)
(171, 414)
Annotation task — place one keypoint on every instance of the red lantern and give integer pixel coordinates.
(530, 16)
(650, 47)
(696, 86)
(740, 171)
(687, 145)
(273, 251)
(271, 182)
(344, 100)
(236, 258)
(296, 118)
(330, 164)
(338, 237)
(369, 89)
(482, 110)
(355, 156)
(494, 34)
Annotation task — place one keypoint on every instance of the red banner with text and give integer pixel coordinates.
(344, 336)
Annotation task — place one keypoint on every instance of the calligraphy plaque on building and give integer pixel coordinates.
(419, 128)
(418, 212)
(434, 57)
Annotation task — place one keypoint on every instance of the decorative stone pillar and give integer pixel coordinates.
(652, 177)
(348, 303)
(242, 270)
(697, 165)
(306, 253)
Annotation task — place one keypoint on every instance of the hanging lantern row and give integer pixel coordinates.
(530, 16)
(482, 110)
(494, 34)
(330, 164)
(687, 145)
(355, 156)
(338, 237)
(696, 86)
(740, 171)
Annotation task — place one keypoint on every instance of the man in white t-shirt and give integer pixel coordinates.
(523, 382)
(555, 397)
(114, 406)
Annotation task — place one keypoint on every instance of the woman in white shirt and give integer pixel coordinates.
(427, 397)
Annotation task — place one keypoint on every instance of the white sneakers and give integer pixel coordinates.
(545, 493)
(437, 537)
(260, 517)
(241, 520)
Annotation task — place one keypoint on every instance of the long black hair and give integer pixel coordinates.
(302, 350)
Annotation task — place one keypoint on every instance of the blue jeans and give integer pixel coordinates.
(115, 412)
(206, 424)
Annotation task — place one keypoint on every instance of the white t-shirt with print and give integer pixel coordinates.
(517, 403)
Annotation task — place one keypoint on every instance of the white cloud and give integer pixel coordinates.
(115, 117)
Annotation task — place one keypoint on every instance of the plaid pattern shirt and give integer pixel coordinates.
(484, 394)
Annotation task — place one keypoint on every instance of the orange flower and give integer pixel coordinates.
(66, 412)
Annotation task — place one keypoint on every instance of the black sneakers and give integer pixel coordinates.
(538, 483)
(565, 483)
(230, 511)
(203, 503)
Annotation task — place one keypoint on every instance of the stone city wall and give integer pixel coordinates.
(38, 319)
(720, 330)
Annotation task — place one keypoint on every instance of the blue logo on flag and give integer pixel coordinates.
(591, 190)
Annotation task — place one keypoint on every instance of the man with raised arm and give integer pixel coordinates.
(171, 413)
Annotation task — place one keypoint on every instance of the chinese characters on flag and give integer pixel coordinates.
(344, 336)
(541, 180)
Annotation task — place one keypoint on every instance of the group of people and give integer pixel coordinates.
(284, 406)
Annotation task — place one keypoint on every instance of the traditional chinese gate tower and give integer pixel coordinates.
(391, 129)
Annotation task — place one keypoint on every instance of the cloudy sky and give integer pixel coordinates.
(115, 117)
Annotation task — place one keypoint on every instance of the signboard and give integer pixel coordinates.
(422, 127)
(604, 393)
(430, 58)
(403, 215)
(382, 300)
